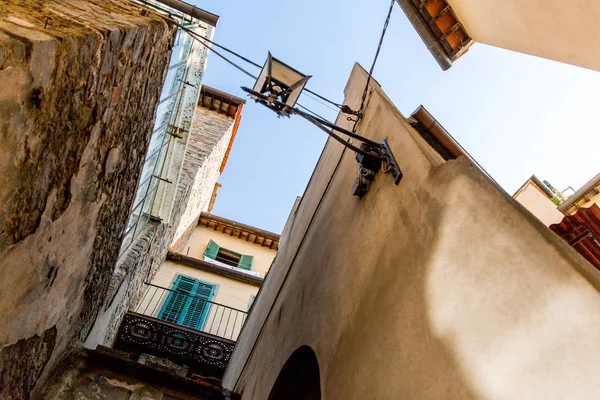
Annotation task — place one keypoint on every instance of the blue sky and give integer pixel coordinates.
(516, 114)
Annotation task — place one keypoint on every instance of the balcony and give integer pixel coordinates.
(184, 328)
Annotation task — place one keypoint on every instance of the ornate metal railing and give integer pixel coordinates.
(201, 352)
(187, 329)
(191, 311)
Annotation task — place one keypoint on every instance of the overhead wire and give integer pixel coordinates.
(385, 26)
(200, 39)
(203, 39)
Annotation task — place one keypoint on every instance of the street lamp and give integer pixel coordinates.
(278, 87)
(281, 84)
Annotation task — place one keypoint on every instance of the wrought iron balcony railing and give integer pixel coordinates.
(183, 326)
(192, 311)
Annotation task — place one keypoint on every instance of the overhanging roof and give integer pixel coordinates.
(219, 101)
(439, 28)
(590, 188)
(582, 232)
(241, 231)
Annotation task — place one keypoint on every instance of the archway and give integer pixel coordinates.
(299, 379)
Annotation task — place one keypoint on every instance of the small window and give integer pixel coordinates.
(228, 257)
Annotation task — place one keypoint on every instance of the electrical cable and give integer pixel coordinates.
(385, 26)
(321, 102)
(201, 40)
(198, 37)
(323, 98)
(234, 53)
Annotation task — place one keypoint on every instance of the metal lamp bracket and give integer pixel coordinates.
(371, 156)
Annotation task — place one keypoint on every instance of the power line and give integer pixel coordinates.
(321, 102)
(201, 40)
(249, 62)
(385, 26)
(234, 53)
(323, 98)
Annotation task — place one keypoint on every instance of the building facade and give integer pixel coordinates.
(212, 132)
(85, 80)
(211, 284)
(176, 342)
(119, 147)
(440, 287)
(540, 200)
(449, 26)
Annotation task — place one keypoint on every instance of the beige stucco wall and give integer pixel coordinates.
(228, 291)
(555, 29)
(442, 287)
(195, 247)
(539, 205)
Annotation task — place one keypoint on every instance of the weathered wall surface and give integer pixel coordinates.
(81, 83)
(208, 141)
(140, 261)
(209, 138)
(530, 27)
(442, 287)
(114, 375)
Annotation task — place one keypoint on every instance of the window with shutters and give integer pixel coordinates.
(229, 257)
(188, 302)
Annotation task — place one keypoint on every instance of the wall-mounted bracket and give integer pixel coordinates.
(371, 156)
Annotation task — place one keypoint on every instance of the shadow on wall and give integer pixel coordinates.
(389, 349)
(299, 378)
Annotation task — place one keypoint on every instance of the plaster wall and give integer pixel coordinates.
(81, 80)
(554, 29)
(442, 287)
(195, 247)
(539, 205)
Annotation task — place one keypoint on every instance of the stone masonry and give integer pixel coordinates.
(81, 80)
(210, 138)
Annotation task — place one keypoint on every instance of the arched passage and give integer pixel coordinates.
(299, 378)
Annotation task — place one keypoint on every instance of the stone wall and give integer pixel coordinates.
(209, 139)
(85, 77)
(440, 287)
(110, 374)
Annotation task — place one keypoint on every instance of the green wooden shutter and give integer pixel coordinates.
(187, 302)
(246, 262)
(198, 308)
(177, 300)
(211, 250)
